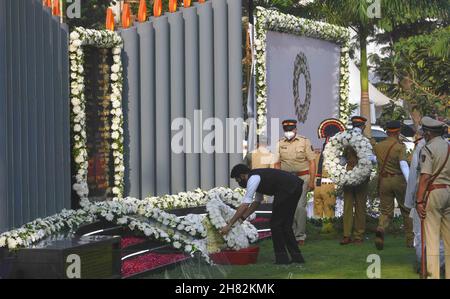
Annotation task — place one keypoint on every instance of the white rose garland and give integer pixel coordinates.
(107, 39)
(188, 233)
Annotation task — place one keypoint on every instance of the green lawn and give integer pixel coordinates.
(325, 258)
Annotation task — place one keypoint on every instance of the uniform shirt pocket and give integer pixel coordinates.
(300, 153)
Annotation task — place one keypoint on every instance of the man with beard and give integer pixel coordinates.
(286, 189)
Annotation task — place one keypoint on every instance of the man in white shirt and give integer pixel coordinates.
(286, 189)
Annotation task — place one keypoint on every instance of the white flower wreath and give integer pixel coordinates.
(105, 39)
(332, 158)
(241, 235)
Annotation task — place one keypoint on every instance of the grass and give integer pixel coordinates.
(325, 259)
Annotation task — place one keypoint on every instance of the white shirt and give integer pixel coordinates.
(252, 185)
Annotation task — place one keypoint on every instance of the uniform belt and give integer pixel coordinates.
(301, 173)
(437, 186)
(388, 174)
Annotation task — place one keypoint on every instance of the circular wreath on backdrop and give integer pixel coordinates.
(241, 234)
(301, 68)
(333, 153)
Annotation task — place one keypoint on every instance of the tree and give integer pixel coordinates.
(420, 64)
(362, 17)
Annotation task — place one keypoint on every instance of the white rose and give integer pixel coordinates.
(74, 35)
(116, 50)
(2, 241)
(116, 104)
(77, 43)
(12, 243)
(114, 77)
(77, 128)
(75, 102)
(115, 68)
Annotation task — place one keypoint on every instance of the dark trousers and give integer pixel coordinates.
(283, 238)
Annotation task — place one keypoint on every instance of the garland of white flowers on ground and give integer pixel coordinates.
(333, 152)
(187, 233)
(240, 235)
(105, 39)
(270, 20)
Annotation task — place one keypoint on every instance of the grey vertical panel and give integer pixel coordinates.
(16, 101)
(10, 119)
(23, 32)
(32, 112)
(221, 89)
(58, 122)
(162, 67)
(206, 63)
(192, 93)
(147, 80)
(49, 102)
(9, 109)
(177, 97)
(66, 115)
(41, 48)
(130, 58)
(235, 73)
(3, 122)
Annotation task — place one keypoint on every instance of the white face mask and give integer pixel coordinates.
(289, 135)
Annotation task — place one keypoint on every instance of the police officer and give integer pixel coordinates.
(392, 177)
(261, 157)
(295, 154)
(324, 190)
(354, 196)
(433, 194)
(286, 189)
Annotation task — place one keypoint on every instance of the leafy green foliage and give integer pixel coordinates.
(420, 65)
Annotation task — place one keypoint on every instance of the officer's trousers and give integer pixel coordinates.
(324, 201)
(355, 197)
(437, 225)
(394, 188)
(299, 225)
(283, 238)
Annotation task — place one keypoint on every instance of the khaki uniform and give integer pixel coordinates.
(354, 197)
(437, 221)
(392, 184)
(294, 156)
(324, 197)
(259, 158)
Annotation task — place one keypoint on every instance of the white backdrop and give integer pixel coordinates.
(323, 60)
